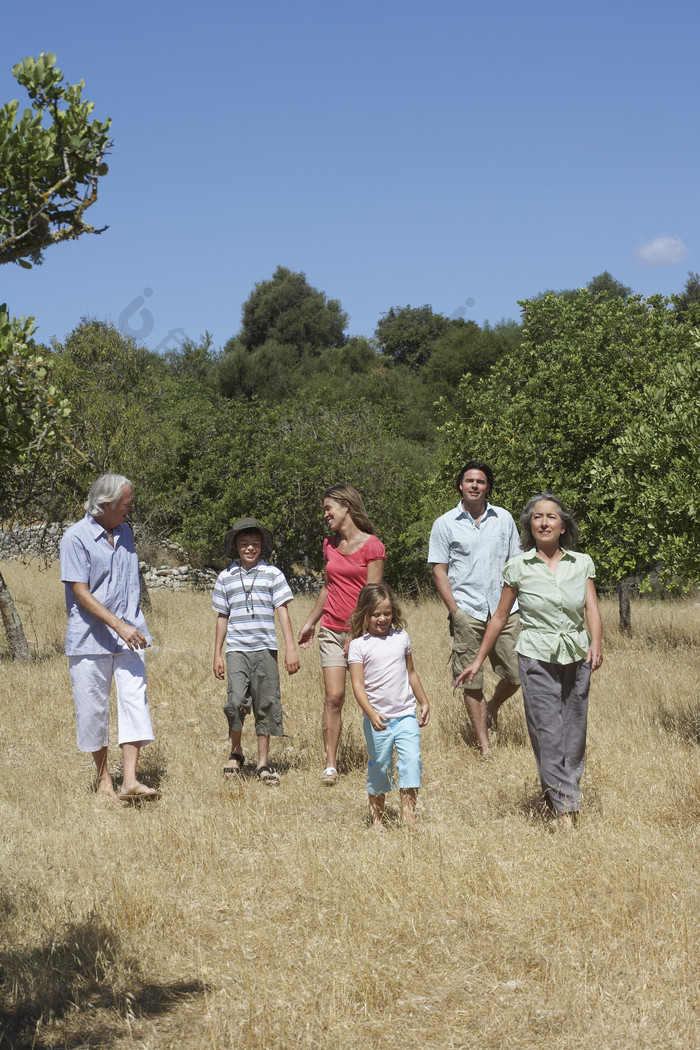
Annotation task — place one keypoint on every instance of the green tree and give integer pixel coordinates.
(605, 284)
(687, 304)
(286, 325)
(51, 159)
(33, 447)
(32, 411)
(48, 178)
(655, 469)
(138, 414)
(549, 416)
(407, 335)
(288, 310)
(112, 383)
(465, 347)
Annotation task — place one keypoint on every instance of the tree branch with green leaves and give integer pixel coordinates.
(51, 158)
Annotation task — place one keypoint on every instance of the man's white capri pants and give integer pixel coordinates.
(91, 679)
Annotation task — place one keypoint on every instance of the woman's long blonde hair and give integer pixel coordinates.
(369, 598)
(353, 501)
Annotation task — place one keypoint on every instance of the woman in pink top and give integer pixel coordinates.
(354, 556)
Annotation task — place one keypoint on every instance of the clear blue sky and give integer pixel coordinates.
(459, 154)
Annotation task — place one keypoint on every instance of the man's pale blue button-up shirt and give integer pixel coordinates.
(475, 555)
(112, 575)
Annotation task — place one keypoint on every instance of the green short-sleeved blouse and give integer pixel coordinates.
(551, 607)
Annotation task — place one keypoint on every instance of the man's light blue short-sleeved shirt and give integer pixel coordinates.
(475, 555)
(112, 575)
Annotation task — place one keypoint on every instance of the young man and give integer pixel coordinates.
(245, 597)
(468, 548)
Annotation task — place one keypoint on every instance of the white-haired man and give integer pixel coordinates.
(107, 632)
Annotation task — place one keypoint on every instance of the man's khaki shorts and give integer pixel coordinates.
(468, 636)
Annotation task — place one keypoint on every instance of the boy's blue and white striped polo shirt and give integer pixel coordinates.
(249, 599)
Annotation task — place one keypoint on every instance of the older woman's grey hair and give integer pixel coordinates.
(107, 489)
(569, 538)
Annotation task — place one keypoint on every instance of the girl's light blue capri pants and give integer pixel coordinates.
(404, 735)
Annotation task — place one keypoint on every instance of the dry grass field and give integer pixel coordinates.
(239, 916)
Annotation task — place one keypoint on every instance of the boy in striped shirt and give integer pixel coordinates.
(245, 598)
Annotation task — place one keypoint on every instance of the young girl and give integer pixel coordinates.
(387, 687)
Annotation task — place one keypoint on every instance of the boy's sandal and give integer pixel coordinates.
(329, 776)
(269, 777)
(231, 772)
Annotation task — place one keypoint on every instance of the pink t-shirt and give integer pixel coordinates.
(383, 658)
(346, 575)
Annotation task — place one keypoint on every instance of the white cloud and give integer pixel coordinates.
(664, 250)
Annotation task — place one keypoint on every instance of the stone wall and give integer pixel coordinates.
(31, 541)
(177, 578)
(42, 541)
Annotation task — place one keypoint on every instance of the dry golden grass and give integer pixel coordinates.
(233, 915)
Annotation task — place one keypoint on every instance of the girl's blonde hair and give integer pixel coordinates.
(369, 598)
(353, 501)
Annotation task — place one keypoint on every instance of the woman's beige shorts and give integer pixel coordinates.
(331, 645)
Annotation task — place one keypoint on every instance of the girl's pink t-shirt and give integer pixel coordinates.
(386, 673)
(346, 575)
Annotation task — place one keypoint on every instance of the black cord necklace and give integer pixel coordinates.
(250, 609)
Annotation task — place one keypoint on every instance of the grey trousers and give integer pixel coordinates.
(556, 711)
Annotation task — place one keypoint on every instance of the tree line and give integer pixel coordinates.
(593, 394)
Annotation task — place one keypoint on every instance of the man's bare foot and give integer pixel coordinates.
(565, 822)
(136, 791)
(105, 788)
(487, 755)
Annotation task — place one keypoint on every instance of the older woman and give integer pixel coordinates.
(354, 556)
(554, 586)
